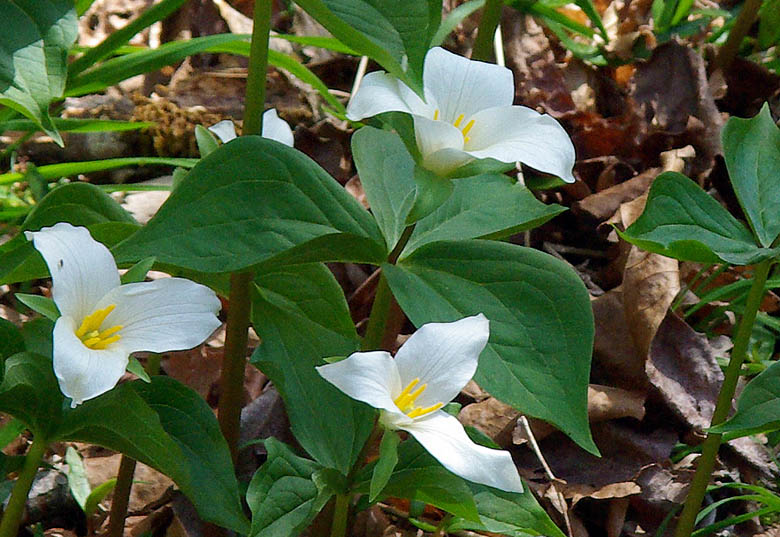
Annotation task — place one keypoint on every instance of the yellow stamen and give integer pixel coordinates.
(436, 115)
(419, 411)
(407, 397)
(90, 334)
(467, 128)
(459, 120)
(93, 321)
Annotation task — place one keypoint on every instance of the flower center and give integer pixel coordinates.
(465, 130)
(90, 334)
(407, 397)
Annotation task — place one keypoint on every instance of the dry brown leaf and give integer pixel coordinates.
(149, 485)
(613, 490)
(682, 366)
(601, 205)
(492, 417)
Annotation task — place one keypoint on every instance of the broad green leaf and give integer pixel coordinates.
(80, 204)
(282, 496)
(169, 427)
(77, 477)
(769, 24)
(301, 317)
(137, 273)
(397, 34)
(432, 192)
(388, 458)
(420, 477)
(386, 171)
(29, 392)
(485, 206)
(41, 304)
(35, 54)
(682, 221)
(541, 324)
(11, 339)
(508, 513)
(758, 407)
(207, 142)
(247, 201)
(752, 150)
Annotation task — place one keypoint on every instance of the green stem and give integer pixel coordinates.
(231, 381)
(258, 66)
(483, 44)
(124, 478)
(340, 515)
(12, 516)
(706, 461)
(386, 317)
(231, 396)
(121, 497)
(744, 21)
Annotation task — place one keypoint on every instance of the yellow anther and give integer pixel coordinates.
(436, 115)
(407, 397)
(419, 411)
(90, 334)
(459, 120)
(102, 344)
(93, 321)
(467, 128)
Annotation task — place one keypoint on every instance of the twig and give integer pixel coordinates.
(547, 470)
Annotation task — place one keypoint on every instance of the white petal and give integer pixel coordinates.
(169, 314)
(380, 92)
(444, 438)
(517, 133)
(84, 373)
(225, 130)
(82, 269)
(275, 128)
(371, 377)
(463, 86)
(440, 144)
(444, 356)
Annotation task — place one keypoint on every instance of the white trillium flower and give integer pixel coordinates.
(468, 114)
(102, 321)
(428, 371)
(274, 128)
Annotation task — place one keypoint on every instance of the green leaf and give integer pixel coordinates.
(80, 204)
(301, 317)
(420, 477)
(769, 24)
(207, 142)
(752, 149)
(67, 169)
(29, 392)
(169, 427)
(282, 496)
(386, 171)
(123, 35)
(758, 407)
(682, 221)
(455, 17)
(508, 513)
(137, 273)
(486, 206)
(247, 201)
(541, 324)
(77, 477)
(77, 125)
(35, 55)
(388, 458)
(41, 304)
(395, 34)
(97, 495)
(135, 367)
(432, 191)
(11, 339)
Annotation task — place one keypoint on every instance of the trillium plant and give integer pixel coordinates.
(251, 226)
